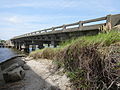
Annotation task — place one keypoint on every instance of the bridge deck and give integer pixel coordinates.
(54, 35)
(78, 26)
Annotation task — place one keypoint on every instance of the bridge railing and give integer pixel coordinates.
(79, 25)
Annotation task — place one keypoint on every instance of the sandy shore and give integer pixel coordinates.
(41, 76)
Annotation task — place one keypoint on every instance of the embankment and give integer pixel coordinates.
(91, 62)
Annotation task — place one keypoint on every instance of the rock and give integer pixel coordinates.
(10, 68)
(12, 61)
(26, 67)
(1, 78)
(13, 73)
(52, 88)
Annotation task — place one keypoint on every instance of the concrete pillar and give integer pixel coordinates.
(33, 47)
(20, 46)
(14, 46)
(48, 45)
(54, 44)
(17, 47)
(26, 49)
(40, 46)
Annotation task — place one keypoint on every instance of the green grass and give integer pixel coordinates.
(102, 39)
(46, 53)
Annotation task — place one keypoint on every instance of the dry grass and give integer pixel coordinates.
(46, 53)
(89, 69)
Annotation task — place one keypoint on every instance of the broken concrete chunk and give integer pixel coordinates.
(26, 67)
(13, 73)
(12, 67)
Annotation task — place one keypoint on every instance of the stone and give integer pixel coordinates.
(10, 68)
(1, 78)
(26, 67)
(12, 61)
(52, 88)
(13, 73)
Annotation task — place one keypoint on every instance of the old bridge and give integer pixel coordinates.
(53, 36)
(1, 45)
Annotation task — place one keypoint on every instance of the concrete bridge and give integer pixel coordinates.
(54, 35)
(1, 45)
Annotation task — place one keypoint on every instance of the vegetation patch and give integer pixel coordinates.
(46, 53)
(91, 62)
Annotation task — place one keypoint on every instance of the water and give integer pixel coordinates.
(6, 53)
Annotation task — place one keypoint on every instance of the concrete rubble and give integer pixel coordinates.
(39, 75)
(13, 73)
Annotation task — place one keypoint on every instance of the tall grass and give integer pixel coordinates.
(101, 38)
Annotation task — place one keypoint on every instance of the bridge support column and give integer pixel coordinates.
(54, 44)
(13, 45)
(48, 45)
(2, 46)
(40, 46)
(33, 47)
(17, 47)
(26, 49)
(20, 46)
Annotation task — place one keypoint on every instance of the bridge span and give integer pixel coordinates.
(1, 45)
(54, 35)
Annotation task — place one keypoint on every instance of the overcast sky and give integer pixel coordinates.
(21, 16)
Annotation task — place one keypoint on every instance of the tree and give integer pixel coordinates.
(2, 41)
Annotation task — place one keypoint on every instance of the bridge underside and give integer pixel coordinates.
(50, 39)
